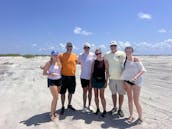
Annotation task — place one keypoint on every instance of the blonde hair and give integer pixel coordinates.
(58, 62)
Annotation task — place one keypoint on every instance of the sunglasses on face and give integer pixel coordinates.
(98, 53)
(86, 48)
(113, 46)
(129, 51)
(69, 46)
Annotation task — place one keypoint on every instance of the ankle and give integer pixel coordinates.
(140, 118)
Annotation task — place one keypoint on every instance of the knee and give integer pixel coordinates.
(55, 97)
(136, 102)
(84, 93)
(96, 97)
(102, 96)
(130, 101)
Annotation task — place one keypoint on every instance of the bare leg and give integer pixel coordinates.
(96, 97)
(89, 95)
(63, 99)
(69, 98)
(130, 99)
(136, 95)
(114, 99)
(84, 96)
(121, 99)
(54, 91)
(103, 99)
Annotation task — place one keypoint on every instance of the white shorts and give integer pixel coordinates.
(116, 86)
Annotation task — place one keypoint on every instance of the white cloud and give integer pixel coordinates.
(102, 46)
(92, 45)
(141, 48)
(80, 31)
(61, 45)
(42, 49)
(34, 44)
(147, 48)
(162, 30)
(51, 48)
(142, 15)
(77, 30)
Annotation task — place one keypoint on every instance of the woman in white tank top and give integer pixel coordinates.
(53, 70)
(132, 76)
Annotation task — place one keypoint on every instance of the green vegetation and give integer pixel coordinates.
(19, 55)
(10, 55)
(28, 56)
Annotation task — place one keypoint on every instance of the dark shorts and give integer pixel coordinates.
(57, 82)
(131, 83)
(97, 84)
(84, 83)
(68, 83)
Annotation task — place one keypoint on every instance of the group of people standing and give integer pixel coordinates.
(122, 70)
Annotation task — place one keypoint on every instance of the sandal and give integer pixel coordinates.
(138, 121)
(52, 117)
(130, 120)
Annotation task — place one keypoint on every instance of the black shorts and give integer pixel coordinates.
(68, 83)
(57, 82)
(131, 83)
(84, 83)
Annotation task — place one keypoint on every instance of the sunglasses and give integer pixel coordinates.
(113, 46)
(98, 53)
(86, 48)
(69, 46)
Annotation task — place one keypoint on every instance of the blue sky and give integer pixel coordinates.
(38, 26)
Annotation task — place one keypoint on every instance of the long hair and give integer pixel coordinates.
(129, 47)
(125, 62)
(58, 62)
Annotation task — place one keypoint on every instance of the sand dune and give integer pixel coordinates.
(25, 98)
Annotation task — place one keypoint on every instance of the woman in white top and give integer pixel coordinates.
(53, 70)
(132, 76)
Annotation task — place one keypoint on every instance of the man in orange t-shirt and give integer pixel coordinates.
(68, 61)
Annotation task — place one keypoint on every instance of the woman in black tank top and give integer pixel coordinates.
(98, 80)
(99, 72)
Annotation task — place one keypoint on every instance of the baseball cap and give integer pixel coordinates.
(54, 53)
(69, 44)
(87, 44)
(113, 43)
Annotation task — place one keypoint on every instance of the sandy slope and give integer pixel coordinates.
(25, 98)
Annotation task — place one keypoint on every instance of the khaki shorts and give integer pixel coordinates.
(116, 86)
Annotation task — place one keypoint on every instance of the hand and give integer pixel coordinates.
(134, 79)
(41, 67)
(54, 74)
(105, 84)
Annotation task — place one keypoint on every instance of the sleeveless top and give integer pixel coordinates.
(54, 69)
(99, 71)
(131, 70)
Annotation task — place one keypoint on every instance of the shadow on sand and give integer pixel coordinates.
(108, 122)
(37, 119)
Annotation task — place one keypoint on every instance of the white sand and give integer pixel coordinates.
(25, 99)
